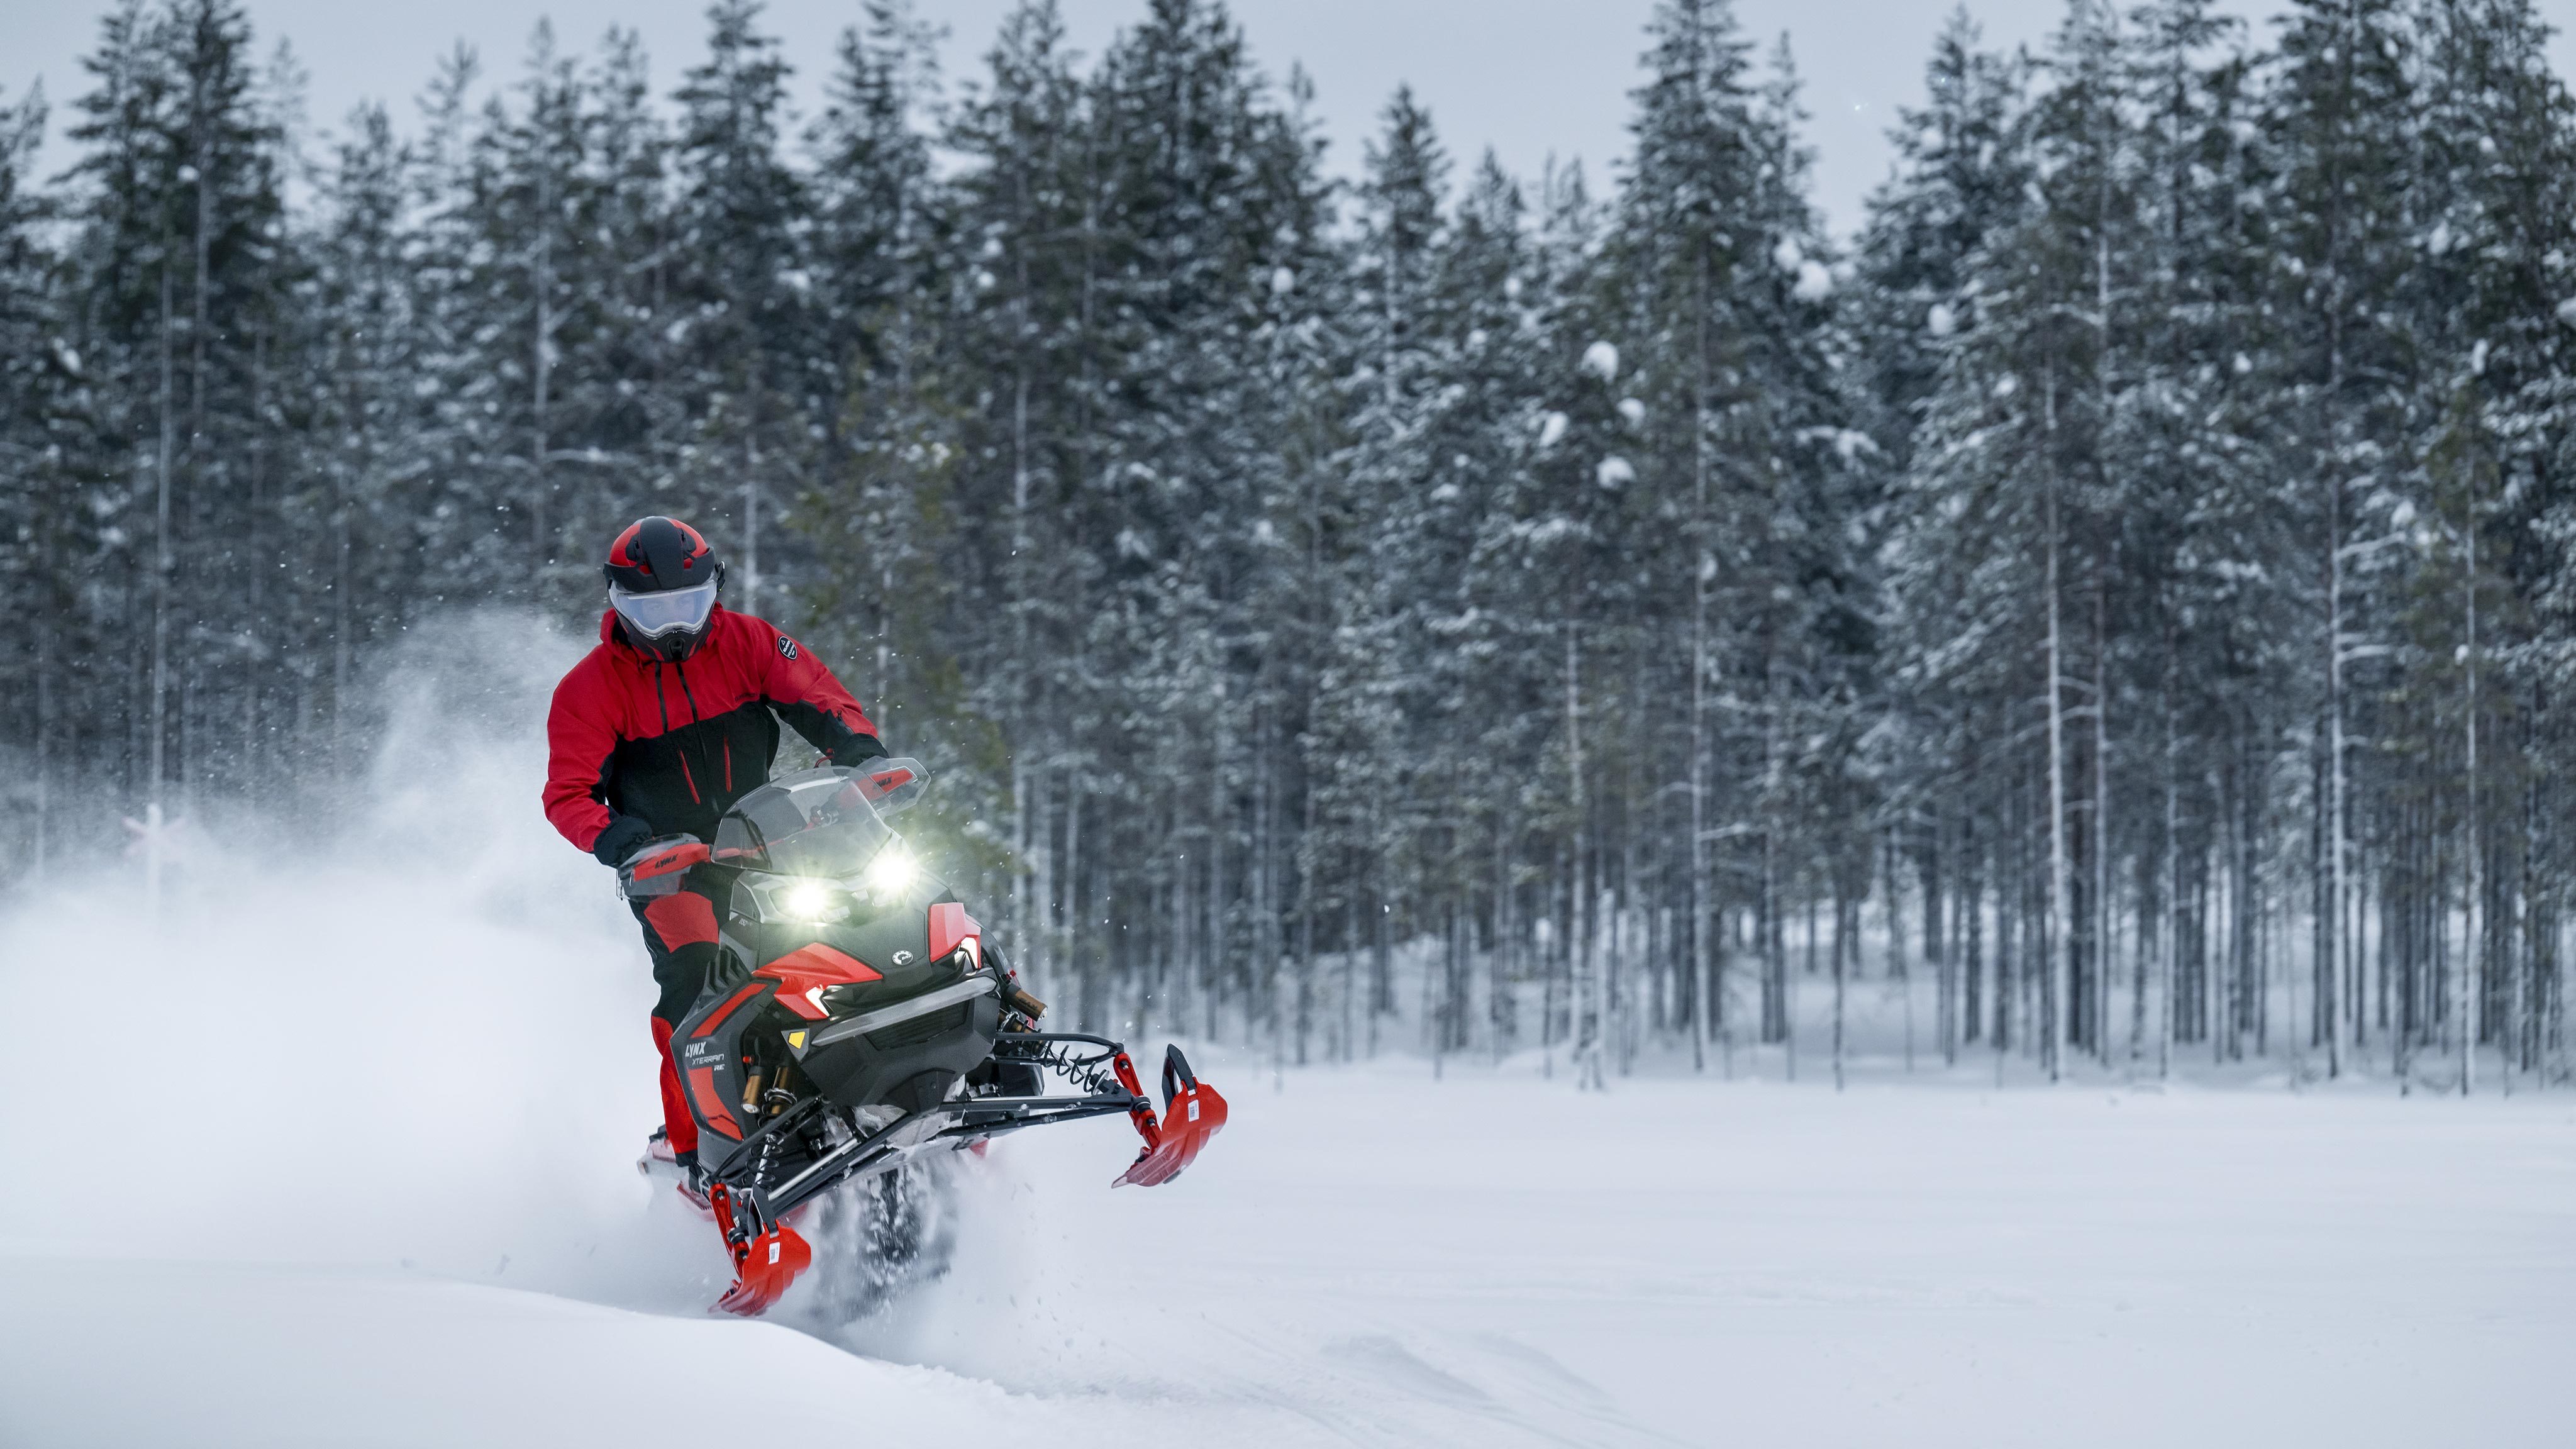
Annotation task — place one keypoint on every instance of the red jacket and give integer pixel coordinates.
(674, 745)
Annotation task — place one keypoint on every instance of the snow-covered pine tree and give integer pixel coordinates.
(1960, 180)
(1727, 285)
(40, 379)
(1689, 236)
(1372, 573)
(452, 513)
(2196, 460)
(1021, 321)
(877, 222)
(742, 281)
(523, 278)
(2494, 226)
(620, 422)
(2340, 119)
(361, 377)
(2501, 134)
(884, 379)
(180, 211)
(1479, 669)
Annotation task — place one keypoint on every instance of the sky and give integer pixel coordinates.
(1530, 78)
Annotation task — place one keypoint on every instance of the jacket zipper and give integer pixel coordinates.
(681, 672)
(664, 701)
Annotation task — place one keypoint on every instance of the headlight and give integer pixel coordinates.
(813, 900)
(892, 872)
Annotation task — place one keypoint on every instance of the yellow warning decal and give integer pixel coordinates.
(796, 1041)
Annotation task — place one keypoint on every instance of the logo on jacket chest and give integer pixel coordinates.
(786, 646)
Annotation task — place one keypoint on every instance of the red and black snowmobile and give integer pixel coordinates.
(857, 1021)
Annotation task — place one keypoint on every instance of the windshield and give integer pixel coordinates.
(812, 823)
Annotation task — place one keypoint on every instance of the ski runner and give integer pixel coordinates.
(659, 729)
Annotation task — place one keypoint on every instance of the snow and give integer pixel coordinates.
(1941, 321)
(1551, 428)
(1614, 471)
(1369, 1256)
(1815, 283)
(1601, 359)
(130, 1351)
(339, 1152)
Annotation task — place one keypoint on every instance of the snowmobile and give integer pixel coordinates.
(858, 1020)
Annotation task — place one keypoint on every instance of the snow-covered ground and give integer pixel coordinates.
(339, 1154)
(1372, 1259)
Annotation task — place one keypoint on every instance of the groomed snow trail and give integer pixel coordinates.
(340, 1153)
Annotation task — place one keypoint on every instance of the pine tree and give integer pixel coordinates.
(744, 286)
(40, 378)
(1960, 180)
(878, 224)
(2195, 506)
(1368, 553)
(621, 419)
(180, 215)
(456, 514)
(1960, 183)
(1022, 320)
(364, 369)
(2338, 115)
(2492, 270)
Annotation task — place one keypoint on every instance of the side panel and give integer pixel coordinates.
(711, 1057)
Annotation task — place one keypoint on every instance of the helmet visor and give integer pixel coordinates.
(671, 611)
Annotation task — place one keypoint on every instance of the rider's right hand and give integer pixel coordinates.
(619, 840)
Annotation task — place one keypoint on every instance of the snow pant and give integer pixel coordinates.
(680, 935)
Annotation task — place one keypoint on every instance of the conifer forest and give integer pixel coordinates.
(2120, 598)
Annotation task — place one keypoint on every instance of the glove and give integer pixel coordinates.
(857, 750)
(619, 840)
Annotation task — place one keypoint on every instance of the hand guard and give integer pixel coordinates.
(658, 868)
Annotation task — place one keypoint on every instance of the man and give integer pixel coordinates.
(658, 730)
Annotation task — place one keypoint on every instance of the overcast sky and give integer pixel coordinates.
(1527, 77)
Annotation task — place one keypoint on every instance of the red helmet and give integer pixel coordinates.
(662, 581)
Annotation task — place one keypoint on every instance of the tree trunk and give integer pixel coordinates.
(2054, 945)
(2473, 852)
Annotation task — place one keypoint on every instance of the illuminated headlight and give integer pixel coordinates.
(892, 872)
(813, 900)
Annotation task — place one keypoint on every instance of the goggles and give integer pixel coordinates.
(671, 611)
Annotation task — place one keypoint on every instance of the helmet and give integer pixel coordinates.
(662, 581)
